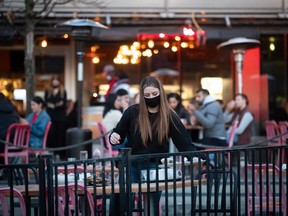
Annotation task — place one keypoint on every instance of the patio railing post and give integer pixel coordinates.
(46, 179)
(125, 182)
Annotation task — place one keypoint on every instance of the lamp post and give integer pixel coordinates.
(239, 45)
(81, 31)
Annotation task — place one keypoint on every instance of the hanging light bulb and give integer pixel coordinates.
(95, 60)
(44, 43)
(150, 44)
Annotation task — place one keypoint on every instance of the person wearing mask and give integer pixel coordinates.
(238, 110)
(8, 116)
(210, 116)
(175, 102)
(56, 99)
(38, 121)
(149, 125)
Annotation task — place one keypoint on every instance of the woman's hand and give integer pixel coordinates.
(115, 138)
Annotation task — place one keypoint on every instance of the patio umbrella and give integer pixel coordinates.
(164, 72)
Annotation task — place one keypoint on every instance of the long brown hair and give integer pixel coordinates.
(162, 123)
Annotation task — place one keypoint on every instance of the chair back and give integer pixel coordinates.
(232, 134)
(283, 129)
(262, 194)
(272, 130)
(19, 135)
(106, 146)
(69, 193)
(5, 201)
(48, 126)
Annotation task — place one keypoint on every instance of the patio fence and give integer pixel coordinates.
(167, 184)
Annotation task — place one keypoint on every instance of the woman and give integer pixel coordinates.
(149, 125)
(38, 121)
(112, 111)
(158, 123)
(175, 102)
(55, 99)
(238, 110)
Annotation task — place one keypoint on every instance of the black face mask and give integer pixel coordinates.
(153, 102)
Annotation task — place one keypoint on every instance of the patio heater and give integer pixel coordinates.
(82, 30)
(239, 45)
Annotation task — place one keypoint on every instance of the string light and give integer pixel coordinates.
(44, 43)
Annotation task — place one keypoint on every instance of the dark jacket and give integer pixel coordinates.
(8, 116)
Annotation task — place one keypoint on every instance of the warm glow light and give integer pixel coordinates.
(136, 44)
(188, 31)
(174, 48)
(155, 51)
(150, 44)
(177, 38)
(95, 60)
(95, 94)
(184, 45)
(44, 43)
(65, 36)
(272, 47)
(191, 46)
(161, 35)
(214, 86)
(166, 44)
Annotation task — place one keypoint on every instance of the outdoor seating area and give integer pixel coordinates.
(187, 184)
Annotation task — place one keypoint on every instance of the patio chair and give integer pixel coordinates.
(283, 129)
(267, 191)
(5, 201)
(20, 175)
(104, 140)
(18, 134)
(272, 131)
(67, 193)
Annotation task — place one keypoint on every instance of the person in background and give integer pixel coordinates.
(125, 98)
(175, 102)
(149, 125)
(238, 110)
(55, 99)
(71, 114)
(117, 79)
(8, 116)
(38, 121)
(136, 98)
(112, 111)
(210, 116)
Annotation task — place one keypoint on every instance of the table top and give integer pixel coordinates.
(33, 189)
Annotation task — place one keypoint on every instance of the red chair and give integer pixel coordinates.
(272, 131)
(4, 201)
(48, 126)
(104, 140)
(74, 199)
(19, 135)
(231, 139)
(262, 195)
(283, 129)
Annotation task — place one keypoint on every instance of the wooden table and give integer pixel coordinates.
(33, 190)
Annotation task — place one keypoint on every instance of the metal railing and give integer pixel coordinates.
(156, 184)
